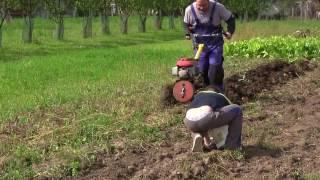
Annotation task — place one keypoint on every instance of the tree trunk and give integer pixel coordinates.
(59, 32)
(301, 10)
(182, 12)
(8, 18)
(44, 13)
(105, 28)
(292, 12)
(158, 20)
(182, 21)
(75, 12)
(27, 30)
(305, 11)
(124, 24)
(171, 21)
(142, 23)
(241, 18)
(87, 25)
(0, 37)
(246, 16)
(259, 16)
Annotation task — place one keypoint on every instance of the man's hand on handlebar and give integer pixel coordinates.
(188, 36)
(227, 35)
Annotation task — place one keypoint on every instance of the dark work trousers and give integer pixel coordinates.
(229, 115)
(211, 65)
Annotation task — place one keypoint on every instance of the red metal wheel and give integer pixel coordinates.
(183, 91)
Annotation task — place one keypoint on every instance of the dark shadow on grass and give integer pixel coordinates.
(10, 55)
(260, 150)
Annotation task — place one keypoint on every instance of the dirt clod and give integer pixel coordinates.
(167, 98)
(131, 169)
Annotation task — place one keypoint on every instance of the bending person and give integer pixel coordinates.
(210, 110)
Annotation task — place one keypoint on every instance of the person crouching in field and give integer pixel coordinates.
(209, 111)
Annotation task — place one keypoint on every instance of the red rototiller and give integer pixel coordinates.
(188, 76)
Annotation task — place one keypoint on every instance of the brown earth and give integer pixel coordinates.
(241, 88)
(281, 137)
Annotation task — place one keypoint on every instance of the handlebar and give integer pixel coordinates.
(207, 35)
(203, 38)
(199, 51)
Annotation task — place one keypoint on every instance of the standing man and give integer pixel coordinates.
(203, 24)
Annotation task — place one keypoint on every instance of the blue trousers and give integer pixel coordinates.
(211, 65)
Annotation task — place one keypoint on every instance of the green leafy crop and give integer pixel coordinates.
(288, 47)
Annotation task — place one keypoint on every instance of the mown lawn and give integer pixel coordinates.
(61, 102)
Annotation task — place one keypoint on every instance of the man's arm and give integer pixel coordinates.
(187, 23)
(231, 26)
(188, 30)
(229, 18)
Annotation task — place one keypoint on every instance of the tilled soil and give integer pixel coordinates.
(240, 88)
(243, 87)
(281, 136)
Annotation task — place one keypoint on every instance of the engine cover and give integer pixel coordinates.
(188, 73)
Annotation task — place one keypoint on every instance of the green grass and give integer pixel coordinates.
(274, 28)
(312, 176)
(60, 102)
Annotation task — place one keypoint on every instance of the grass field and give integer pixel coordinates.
(61, 102)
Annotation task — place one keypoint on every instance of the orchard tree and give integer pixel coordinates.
(237, 7)
(105, 11)
(125, 8)
(289, 4)
(262, 6)
(254, 7)
(158, 6)
(246, 8)
(4, 12)
(257, 7)
(28, 7)
(142, 7)
(171, 7)
(88, 8)
(57, 9)
(183, 4)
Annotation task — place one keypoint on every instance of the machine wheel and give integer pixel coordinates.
(183, 91)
